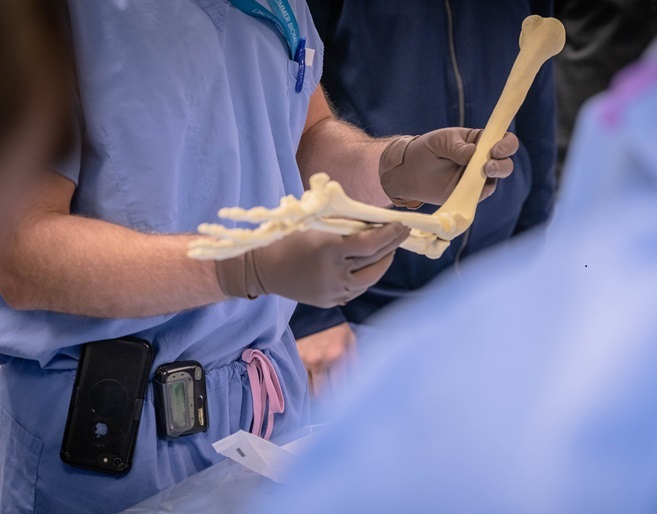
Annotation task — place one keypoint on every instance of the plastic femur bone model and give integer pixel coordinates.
(325, 206)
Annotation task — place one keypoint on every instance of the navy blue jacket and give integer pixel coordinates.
(409, 68)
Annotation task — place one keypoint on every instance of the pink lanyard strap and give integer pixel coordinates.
(265, 390)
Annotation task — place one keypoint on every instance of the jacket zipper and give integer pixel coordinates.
(461, 101)
(455, 64)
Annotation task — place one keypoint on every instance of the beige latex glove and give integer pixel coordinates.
(425, 169)
(313, 267)
(328, 355)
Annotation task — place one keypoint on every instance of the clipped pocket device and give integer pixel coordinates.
(180, 399)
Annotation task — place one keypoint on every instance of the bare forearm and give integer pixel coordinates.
(344, 152)
(88, 267)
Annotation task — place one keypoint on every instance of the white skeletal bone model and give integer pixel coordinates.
(327, 207)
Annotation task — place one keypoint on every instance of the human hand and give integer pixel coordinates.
(328, 355)
(426, 169)
(316, 268)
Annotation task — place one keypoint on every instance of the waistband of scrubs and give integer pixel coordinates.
(266, 392)
(255, 365)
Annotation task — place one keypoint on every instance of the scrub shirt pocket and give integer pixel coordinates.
(292, 73)
(19, 466)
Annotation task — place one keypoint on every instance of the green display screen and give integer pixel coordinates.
(178, 405)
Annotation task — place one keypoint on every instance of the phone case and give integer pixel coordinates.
(106, 404)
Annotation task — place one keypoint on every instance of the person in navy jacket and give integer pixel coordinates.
(394, 68)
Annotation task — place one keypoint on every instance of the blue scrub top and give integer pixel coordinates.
(527, 385)
(189, 106)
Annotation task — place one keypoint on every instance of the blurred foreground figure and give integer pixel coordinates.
(32, 90)
(540, 392)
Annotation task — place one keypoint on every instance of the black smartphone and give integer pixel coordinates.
(106, 404)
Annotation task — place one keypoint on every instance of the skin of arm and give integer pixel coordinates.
(346, 153)
(52, 260)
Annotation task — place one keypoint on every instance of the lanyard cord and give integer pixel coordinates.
(282, 18)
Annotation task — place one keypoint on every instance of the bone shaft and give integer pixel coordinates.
(338, 226)
(368, 213)
(515, 91)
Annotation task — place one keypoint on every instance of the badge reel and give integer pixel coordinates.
(180, 399)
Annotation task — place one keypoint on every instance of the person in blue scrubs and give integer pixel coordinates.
(530, 389)
(448, 70)
(186, 107)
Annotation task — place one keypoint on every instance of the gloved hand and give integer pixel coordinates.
(313, 267)
(425, 169)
